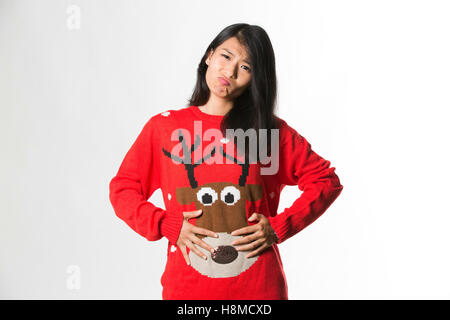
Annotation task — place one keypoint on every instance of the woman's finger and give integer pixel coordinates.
(185, 255)
(257, 251)
(245, 230)
(206, 232)
(247, 239)
(202, 243)
(253, 245)
(193, 248)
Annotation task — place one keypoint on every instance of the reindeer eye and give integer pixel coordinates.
(207, 196)
(230, 195)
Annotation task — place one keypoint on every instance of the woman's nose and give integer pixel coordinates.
(230, 72)
(224, 254)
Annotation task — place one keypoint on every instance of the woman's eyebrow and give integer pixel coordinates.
(245, 60)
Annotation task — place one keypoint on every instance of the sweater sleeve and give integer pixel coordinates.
(136, 180)
(301, 166)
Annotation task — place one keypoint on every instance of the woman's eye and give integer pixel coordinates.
(228, 58)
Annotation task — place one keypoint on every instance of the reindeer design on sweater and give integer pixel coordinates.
(224, 210)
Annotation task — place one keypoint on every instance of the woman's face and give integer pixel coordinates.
(229, 72)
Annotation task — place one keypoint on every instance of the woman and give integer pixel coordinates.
(221, 199)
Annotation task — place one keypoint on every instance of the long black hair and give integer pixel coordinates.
(255, 107)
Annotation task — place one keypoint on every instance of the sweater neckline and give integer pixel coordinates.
(206, 116)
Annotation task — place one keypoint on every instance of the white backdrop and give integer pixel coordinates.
(366, 82)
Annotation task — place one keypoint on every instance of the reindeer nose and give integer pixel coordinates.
(224, 254)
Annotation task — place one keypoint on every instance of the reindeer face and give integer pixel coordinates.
(223, 204)
(224, 211)
(223, 207)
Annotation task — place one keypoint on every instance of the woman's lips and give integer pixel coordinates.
(224, 81)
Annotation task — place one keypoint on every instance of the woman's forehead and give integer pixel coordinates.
(234, 47)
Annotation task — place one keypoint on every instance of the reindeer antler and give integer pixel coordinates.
(245, 166)
(187, 161)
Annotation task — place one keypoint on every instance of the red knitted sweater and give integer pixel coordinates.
(227, 192)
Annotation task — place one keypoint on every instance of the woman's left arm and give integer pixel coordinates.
(298, 165)
(301, 166)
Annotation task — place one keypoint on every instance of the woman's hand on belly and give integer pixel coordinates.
(259, 236)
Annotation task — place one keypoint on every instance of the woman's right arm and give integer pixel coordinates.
(138, 177)
(136, 180)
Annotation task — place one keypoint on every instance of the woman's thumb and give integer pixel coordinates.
(192, 214)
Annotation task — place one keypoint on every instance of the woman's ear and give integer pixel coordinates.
(209, 56)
